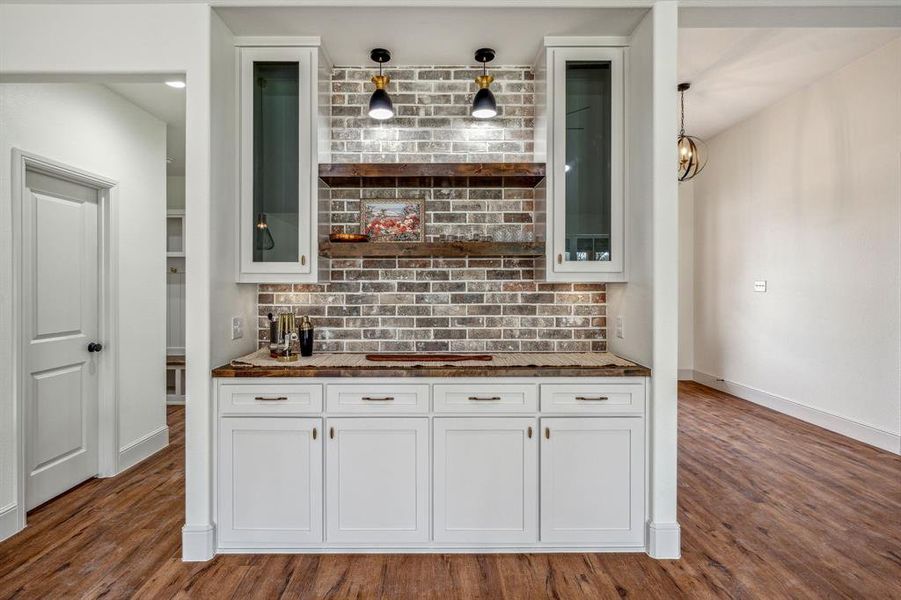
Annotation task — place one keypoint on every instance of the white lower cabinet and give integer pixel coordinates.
(270, 482)
(439, 464)
(486, 480)
(377, 480)
(592, 480)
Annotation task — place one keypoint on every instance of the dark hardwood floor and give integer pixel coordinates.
(770, 507)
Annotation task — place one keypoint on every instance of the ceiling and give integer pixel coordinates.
(430, 36)
(736, 72)
(166, 104)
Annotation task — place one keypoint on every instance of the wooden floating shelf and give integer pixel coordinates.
(518, 174)
(427, 249)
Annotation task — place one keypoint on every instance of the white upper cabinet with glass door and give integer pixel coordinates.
(580, 129)
(280, 107)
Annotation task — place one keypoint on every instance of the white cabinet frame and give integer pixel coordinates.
(551, 135)
(305, 268)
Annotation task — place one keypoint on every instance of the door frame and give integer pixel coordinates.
(108, 311)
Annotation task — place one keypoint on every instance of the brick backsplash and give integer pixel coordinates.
(432, 122)
(448, 304)
(432, 304)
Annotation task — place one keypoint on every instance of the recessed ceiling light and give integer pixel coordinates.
(176, 84)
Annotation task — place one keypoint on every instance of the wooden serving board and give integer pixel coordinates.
(416, 358)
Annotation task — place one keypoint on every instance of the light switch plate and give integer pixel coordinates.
(620, 330)
(760, 286)
(237, 328)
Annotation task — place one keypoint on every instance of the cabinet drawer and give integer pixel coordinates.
(604, 398)
(375, 399)
(481, 398)
(269, 398)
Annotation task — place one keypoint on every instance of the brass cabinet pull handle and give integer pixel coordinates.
(484, 398)
(547, 433)
(331, 432)
(374, 399)
(559, 259)
(303, 259)
(586, 399)
(314, 433)
(529, 430)
(271, 398)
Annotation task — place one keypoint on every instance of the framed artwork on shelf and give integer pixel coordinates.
(393, 220)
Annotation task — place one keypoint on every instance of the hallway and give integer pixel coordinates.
(770, 507)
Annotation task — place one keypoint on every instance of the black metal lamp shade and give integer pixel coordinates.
(380, 106)
(484, 106)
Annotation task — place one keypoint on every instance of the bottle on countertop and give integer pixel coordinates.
(306, 337)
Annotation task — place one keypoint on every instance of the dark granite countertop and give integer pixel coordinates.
(507, 365)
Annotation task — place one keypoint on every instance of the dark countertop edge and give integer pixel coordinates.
(227, 371)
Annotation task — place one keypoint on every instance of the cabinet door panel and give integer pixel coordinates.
(378, 480)
(279, 218)
(270, 481)
(486, 480)
(592, 480)
(586, 162)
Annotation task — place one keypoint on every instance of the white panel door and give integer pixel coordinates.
(60, 262)
(377, 480)
(486, 480)
(592, 480)
(270, 482)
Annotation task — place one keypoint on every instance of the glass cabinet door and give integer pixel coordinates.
(275, 162)
(276, 226)
(588, 159)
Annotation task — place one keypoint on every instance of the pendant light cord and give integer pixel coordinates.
(682, 117)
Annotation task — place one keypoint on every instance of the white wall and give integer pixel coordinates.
(175, 191)
(88, 127)
(806, 195)
(140, 38)
(686, 280)
(228, 299)
(647, 302)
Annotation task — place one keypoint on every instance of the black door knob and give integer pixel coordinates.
(95, 347)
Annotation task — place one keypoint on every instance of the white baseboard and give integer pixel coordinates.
(143, 448)
(9, 521)
(664, 540)
(686, 375)
(198, 543)
(838, 424)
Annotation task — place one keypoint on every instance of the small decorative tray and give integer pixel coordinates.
(348, 237)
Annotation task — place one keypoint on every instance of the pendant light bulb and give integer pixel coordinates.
(484, 105)
(692, 150)
(380, 106)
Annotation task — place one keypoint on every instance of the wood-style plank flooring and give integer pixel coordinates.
(770, 507)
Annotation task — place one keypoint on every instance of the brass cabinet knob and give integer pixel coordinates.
(303, 259)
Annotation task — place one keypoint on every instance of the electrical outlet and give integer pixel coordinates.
(237, 328)
(620, 329)
(760, 286)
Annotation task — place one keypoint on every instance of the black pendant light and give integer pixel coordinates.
(692, 150)
(380, 106)
(484, 106)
